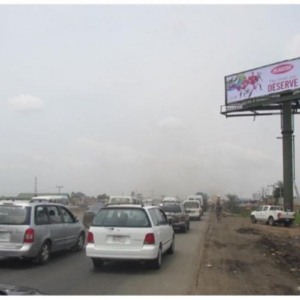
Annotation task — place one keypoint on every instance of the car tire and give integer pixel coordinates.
(98, 263)
(156, 263)
(253, 220)
(171, 250)
(80, 243)
(44, 254)
(184, 228)
(271, 221)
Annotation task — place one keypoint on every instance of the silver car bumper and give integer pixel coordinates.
(26, 250)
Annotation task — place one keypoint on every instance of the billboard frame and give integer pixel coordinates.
(261, 97)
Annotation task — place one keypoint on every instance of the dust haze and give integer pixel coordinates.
(114, 99)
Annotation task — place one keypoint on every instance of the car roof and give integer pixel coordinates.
(134, 206)
(27, 203)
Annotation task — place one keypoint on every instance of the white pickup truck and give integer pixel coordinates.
(272, 214)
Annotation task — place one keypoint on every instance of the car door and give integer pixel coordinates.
(164, 229)
(42, 225)
(72, 228)
(265, 214)
(58, 230)
(258, 213)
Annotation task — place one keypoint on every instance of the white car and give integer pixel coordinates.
(173, 200)
(123, 200)
(193, 209)
(130, 232)
(272, 214)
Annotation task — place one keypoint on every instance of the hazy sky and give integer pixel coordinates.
(105, 99)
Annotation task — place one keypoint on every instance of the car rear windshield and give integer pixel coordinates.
(14, 215)
(121, 217)
(171, 208)
(191, 204)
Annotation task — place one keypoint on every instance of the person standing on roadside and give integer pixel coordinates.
(219, 210)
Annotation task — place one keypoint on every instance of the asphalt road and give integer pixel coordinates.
(73, 273)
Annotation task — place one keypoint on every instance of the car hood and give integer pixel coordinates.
(7, 289)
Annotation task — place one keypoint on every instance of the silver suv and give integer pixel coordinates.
(33, 230)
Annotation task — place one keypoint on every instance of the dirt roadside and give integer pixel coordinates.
(240, 258)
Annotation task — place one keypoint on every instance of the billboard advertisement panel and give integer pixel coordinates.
(261, 82)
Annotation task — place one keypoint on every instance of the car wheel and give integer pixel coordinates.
(98, 263)
(271, 221)
(184, 228)
(253, 220)
(156, 263)
(172, 247)
(80, 243)
(44, 254)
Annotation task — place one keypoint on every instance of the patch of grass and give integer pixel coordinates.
(297, 218)
(244, 213)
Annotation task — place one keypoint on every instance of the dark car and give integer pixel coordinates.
(90, 213)
(177, 213)
(14, 290)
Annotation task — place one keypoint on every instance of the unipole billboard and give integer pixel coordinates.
(257, 84)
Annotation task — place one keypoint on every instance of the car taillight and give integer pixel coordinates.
(29, 236)
(90, 238)
(149, 239)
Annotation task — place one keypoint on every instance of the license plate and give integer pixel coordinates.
(4, 236)
(119, 239)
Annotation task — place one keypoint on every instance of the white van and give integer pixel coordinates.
(64, 200)
(171, 200)
(123, 200)
(197, 198)
(193, 209)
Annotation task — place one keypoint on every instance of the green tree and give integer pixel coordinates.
(231, 205)
(102, 197)
(278, 191)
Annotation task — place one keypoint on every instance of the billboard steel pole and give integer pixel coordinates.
(287, 147)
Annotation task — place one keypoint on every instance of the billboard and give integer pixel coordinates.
(243, 87)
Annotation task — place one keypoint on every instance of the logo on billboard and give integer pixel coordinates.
(282, 69)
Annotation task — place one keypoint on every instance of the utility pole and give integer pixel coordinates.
(59, 187)
(35, 186)
(287, 147)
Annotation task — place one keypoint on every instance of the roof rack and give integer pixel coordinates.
(133, 204)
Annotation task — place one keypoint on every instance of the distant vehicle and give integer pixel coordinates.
(273, 214)
(197, 198)
(193, 209)
(172, 200)
(123, 200)
(90, 213)
(205, 198)
(14, 290)
(64, 200)
(129, 232)
(35, 230)
(178, 216)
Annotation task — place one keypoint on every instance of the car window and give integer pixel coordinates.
(14, 215)
(171, 208)
(54, 215)
(121, 217)
(161, 217)
(68, 217)
(191, 204)
(265, 208)
(153, 217)
(41, 215)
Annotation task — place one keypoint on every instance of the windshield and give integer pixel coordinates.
(171, 208)
(191, 204)
(121, 217)
(14, 215)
